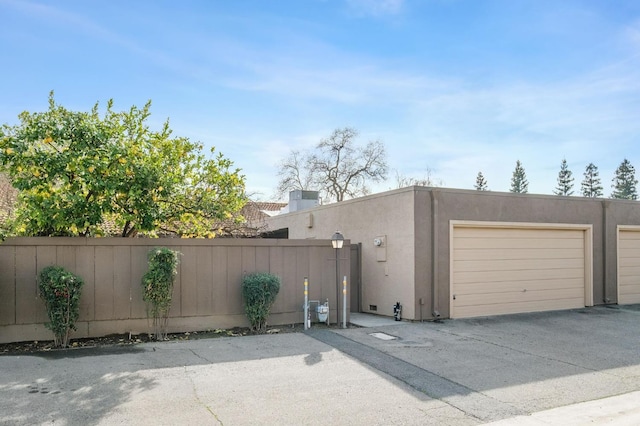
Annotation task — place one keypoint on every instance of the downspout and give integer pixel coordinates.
(605, 234)
(434, 255)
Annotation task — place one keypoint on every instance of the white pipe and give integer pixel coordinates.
(306, 303)
(344, 302)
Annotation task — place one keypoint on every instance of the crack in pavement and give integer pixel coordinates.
(200, 356)
(474, 404)
(195, 394)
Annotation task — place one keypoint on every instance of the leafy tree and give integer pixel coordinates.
(74, 170)
(565, 180)
(591, 185)
(481, 183)
(519, 183)
(337, 168)
(624, 182)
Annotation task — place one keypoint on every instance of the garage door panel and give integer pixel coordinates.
(523, 243)
(632, 288)
(514, 308)
(630, 253)
(498, 270)
(630, 263)
(629, 271)
(519, 296)
(630, 237)
(626, 280)
(517, 233)
(510, 254)
(514, 276)
(518, 264)
(631, 292)
(630, 245)
(529, 285)
(628, 266)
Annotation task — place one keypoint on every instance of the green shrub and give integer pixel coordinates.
(60, 291)
(259, 291)
(157, 285)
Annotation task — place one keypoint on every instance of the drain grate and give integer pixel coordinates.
(383, 336)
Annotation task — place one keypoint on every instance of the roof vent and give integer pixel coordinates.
(303, 200)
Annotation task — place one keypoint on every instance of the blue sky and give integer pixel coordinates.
(454, 87)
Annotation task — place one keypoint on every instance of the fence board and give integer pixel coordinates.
(7, 285)
(27, 301)
(207, 290)
(219, 280)
(188, 278)
(204, 272)
(104, 269)
(85, 269)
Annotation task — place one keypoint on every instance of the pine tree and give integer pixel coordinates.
(481, 183)
(519, 182)
(591, 185)
(624, 182)
(565, 180)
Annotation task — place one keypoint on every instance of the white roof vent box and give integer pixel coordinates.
(303, 200)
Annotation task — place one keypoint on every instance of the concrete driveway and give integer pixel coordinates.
(459, 372)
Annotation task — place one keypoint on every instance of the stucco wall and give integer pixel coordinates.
(388, 273)
(416, 224)
(506, 207)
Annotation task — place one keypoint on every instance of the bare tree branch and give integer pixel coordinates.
(402, 181)
(294, 173)
(342, 170)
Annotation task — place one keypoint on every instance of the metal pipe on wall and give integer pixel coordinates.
(306, 303)
(344, 302)
(434, 254)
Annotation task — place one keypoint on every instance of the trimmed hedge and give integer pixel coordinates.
(60, 290)
(259, 291)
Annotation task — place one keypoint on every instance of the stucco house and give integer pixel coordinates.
(450, 253)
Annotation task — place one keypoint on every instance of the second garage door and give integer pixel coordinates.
(628, 265)
(505, 268)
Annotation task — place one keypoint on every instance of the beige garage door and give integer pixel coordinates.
(503, 270)
(628, 266)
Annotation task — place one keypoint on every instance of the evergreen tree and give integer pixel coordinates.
(481, 183)
(565, 180)
(591, 185)
(519, 183)
(624, 182)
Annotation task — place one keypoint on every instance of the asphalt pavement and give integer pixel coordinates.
(568, 367)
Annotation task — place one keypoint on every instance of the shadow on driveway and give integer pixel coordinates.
(511, 364)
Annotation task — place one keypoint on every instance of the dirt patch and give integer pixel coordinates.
(119, 340)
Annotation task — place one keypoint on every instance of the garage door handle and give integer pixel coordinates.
(454, 297)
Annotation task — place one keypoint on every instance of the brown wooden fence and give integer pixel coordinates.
(206, 295)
